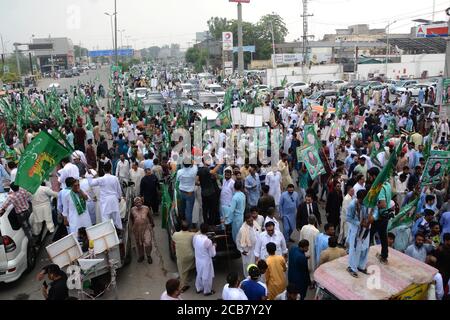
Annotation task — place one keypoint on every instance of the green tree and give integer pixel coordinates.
(259, 34)
(198, 57)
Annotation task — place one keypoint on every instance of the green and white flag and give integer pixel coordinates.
(311, 159)
(310, 138)
(38, 160)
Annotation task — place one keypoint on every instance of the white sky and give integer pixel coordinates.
(156, 22)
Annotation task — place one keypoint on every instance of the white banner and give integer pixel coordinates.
(288, 58)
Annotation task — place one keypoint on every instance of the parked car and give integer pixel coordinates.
(299, 86)
(401, 86)
(216, 89)
(326, 94)
(75, 72)
(278, 92)
(17, 256)
(203, 97)
(138, 93)
(415, 88)
(335, 84)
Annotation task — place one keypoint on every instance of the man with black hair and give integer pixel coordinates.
(321, 242)
(110, 196)
(289, 203)
(270, 235)
(68, 170)
(266, 201)
(20, 199)
(185, 253)
(232, 291)
(254, 289)
(419, 249)
(333, 252)
(173, 290)
(422, 225)
(358, 235)
(298, 273)
(58, 287)
(204, 250)
(276, 270)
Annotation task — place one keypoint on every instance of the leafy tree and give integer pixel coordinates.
(80, 51)
(198, 57)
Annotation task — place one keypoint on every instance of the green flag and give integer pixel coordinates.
(38, 160)
(376, 149)
(311, 159)
(370, 200)
(403, 217)
(166, 204)
(223, 120)
(284, 82)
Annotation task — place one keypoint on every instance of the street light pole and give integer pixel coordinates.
(240, 42)
(112, 28)
(115, 27)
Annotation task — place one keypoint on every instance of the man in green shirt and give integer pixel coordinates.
(380, 218)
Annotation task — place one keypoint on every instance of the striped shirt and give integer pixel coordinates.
(19, 200)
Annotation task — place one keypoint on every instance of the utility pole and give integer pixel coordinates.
(274, 65)
(115, 27)
(434, 10)
(16, 49)
(240, 42)
(305, 16)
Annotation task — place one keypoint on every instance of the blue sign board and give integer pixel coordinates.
(251, 49)
(110, 53)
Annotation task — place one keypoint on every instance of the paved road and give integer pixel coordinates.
(137, 281)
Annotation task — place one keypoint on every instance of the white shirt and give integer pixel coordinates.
(123, 169)
(226, 195)
(13, 174)
(165, 296)
(69, 170)
(439, 286)
(233, 293)
(110, 192)
(76, 221)
(264, 238)
(42, 196)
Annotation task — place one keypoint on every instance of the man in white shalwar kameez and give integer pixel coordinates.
(204, 251)
(246, 241)
(74, 209)
(109, 197)
(310, 232)
(273, 180)
(42, 210)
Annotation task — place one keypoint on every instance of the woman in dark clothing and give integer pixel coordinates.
(334, 204)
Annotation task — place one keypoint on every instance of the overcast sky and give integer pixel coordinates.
(156, 22)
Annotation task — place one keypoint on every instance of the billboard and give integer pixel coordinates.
(432, 30)
(227, 40)
(251, 49)
(110, 53)
(290, 58)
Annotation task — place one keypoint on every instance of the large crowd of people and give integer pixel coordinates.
(284, 219)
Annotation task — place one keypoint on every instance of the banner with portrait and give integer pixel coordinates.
(311, 159)
(436, 167)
